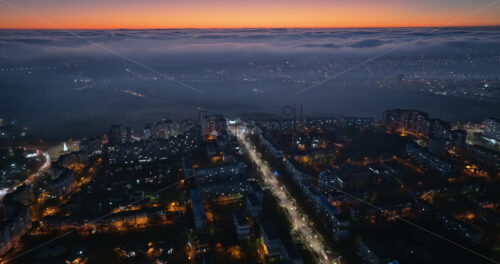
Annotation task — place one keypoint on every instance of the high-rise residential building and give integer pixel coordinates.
(492, 129)
(169, 128)
(119, 134)
(211, 126)
(148, 131)
(439, 128)
(437, 145)
(428, 161)
(460, 137)
(407, 122)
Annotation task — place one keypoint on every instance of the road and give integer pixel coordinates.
(300, 221)
(45, 166)
(32, 177)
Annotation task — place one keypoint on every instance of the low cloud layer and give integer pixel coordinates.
(26, 44)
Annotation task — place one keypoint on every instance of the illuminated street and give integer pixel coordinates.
(33, 177)
(45, 166)
(301, 223)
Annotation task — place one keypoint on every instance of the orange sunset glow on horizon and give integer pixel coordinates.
(111, 14)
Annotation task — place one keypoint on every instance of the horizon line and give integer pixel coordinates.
(208, 28)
